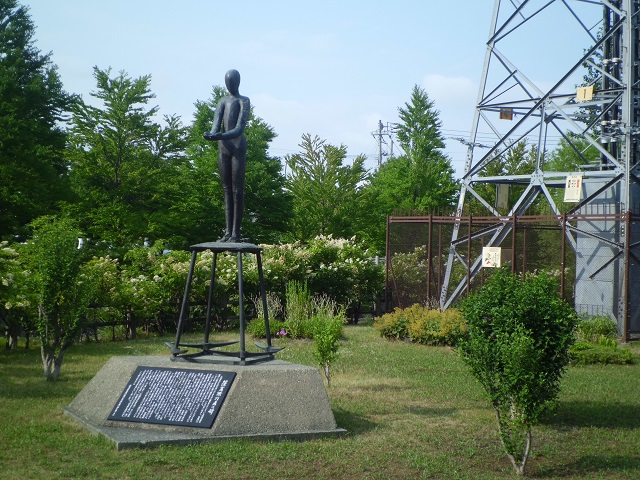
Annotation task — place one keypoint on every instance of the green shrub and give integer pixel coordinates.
(325, 309)
(299, 309)
(422, 325)
(274, 306)
(587, 353)
(256, 327)
(340, 268)
(343, 270)
(394, 324)
(607, 342)
(517, 346)
(18, 302)
(146, 284)
(597, 343)
(453, 326)
(433, 327)
(328, 325)
(591, 329)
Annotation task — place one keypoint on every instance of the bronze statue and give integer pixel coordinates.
(232, 113)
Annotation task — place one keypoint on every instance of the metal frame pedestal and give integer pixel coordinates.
(207, 348)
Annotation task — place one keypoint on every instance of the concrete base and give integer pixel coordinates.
(270, 400)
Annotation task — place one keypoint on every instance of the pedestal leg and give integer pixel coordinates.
(207, 326)
(184, 311)
(263, 294)
(241, 307)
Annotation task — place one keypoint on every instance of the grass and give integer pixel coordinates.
(411, 412)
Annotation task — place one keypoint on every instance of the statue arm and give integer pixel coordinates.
(214, 133)
(243, 118)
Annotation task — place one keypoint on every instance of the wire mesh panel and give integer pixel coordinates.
(589, 254)
(416, 259)
(598, 266)
(633, 274)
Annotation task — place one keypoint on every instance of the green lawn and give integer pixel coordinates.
(411, 412)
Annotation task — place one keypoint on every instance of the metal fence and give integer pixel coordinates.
(595, 257)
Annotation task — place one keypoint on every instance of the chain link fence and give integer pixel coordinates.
(595, 257)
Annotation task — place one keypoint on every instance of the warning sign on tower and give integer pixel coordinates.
(491, 257)
(573, 188)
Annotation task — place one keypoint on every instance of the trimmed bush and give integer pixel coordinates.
(433, 327)
(586, 353)
(394, 324)
(423, 325)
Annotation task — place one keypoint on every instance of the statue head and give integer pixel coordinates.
(232, 81)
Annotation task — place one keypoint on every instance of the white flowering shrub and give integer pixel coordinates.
(339, 268)
(154, 285)
(408, 273)
(17, 302)
(145, 287)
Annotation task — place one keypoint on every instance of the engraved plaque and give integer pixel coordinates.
(172, 396)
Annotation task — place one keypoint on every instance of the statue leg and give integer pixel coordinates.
(226, 177)
(228, 214)
(239, 169)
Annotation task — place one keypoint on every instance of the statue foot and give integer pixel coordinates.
(225, 238)
(234, 239)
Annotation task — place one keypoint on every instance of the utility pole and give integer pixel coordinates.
(384, 132)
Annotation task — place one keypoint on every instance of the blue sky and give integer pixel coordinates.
(330, 68)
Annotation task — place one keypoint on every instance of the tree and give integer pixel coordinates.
(419, 132)
(430, 174)
(202, 205)
(517, 346)
(15, 296)
(420, 180)
(327, 194)
(32, 103)
(401, 184)
(571, 154)
(520, 159)
(268, 206)
(125, 167)
(56, 266)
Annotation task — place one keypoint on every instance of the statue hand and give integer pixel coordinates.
(211, 136)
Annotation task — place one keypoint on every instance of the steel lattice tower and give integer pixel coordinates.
(576, 43)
